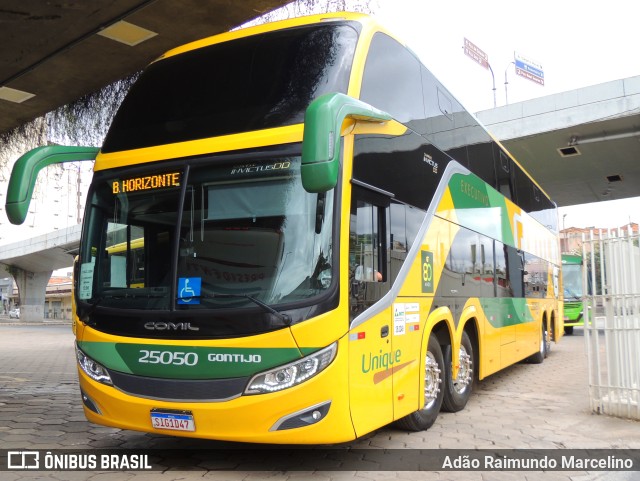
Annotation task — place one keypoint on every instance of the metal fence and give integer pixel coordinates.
(612, 329)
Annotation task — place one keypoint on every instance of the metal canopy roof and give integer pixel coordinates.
(55, 52)
(581, 146)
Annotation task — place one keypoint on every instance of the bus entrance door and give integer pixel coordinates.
(370, 376)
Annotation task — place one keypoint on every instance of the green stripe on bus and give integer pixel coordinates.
(188, 362)
(471, 192)
(504, 312)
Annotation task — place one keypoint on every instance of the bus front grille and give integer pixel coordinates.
(185, 390)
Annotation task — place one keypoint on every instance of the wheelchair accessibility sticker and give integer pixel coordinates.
(189, 290)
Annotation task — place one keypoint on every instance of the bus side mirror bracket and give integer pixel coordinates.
(25, 171)
(321, 138)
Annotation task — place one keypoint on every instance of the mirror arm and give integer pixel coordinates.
(25, 171)
(321, 138)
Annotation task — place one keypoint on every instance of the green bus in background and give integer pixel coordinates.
(572, 280)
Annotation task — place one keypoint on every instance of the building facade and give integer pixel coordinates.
(571, 238)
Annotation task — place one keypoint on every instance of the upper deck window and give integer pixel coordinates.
(252, 83)
(391, 80)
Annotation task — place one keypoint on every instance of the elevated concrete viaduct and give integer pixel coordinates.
(31, 262)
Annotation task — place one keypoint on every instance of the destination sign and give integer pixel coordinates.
(528, 69)
(476, 53)
(146, 182)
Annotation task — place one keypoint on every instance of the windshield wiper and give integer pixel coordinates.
(134, 296)
(86, 315)
(283, 317)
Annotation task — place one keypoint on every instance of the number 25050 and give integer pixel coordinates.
(176, 358)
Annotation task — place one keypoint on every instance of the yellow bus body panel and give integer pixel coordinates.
(247, 418)
(226, 143)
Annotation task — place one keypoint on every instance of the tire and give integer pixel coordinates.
(568, 330)
(458, 391)
(424, 418)
(539, 356)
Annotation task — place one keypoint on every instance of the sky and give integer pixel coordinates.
(576, 43)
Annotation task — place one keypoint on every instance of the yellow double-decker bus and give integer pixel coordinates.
(330, 242)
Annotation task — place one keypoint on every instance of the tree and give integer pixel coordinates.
(310, 7)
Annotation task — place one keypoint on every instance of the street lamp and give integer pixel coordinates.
(506, 98)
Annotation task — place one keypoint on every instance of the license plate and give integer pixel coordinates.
(174, 420)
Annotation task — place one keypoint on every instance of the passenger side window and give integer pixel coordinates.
(366, 245)
(536, 276)
(509, 271)
(468, 269)
(368, 250)
(505, 179)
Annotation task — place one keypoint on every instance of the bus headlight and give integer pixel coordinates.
(92, 369)
(289, 375)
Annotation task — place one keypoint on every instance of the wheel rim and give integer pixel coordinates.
(465, 371)
(432, 381)
(543, 342)
(547, 339)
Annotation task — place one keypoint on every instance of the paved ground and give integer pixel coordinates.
(526, 407)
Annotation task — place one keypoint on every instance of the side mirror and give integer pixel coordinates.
(25, 171)
(321, 138)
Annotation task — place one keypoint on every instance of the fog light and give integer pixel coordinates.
(306, 417)
(89, 403)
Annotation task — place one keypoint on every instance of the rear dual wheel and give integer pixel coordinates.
(441, 390)
(545, 347)
(458, 391)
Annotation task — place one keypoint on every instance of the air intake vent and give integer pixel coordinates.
(568, 151)
(614, 178)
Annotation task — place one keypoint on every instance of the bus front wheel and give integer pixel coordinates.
(433, 393)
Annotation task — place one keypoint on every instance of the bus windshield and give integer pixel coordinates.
(572, 281)
(247, 234)
(250, 84)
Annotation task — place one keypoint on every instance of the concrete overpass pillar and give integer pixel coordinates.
(32, 287)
